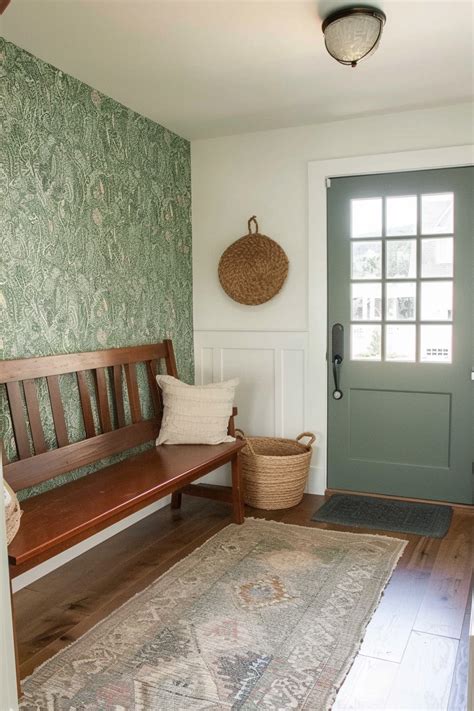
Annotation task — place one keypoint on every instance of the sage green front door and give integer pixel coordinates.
(400, 296)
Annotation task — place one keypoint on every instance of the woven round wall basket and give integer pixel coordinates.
(275, 470)
(254, 268)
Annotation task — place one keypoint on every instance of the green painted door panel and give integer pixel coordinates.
(400, 281)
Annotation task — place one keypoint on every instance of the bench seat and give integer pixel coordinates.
(63, 516)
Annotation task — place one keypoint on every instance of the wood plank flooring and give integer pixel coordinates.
(414, 654)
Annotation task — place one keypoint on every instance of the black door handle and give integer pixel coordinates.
(337, 358)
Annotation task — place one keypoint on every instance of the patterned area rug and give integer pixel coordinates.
(386, 514)
(262, 616)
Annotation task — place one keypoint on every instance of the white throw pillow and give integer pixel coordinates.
(195, 414)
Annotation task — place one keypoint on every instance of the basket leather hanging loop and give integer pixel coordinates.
(254, 220)
(253, 269)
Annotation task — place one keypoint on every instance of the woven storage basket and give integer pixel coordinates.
(275, 470)
(12, 514)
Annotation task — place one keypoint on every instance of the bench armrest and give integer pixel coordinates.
(231, 427)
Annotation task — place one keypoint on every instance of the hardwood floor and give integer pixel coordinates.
(414, 654)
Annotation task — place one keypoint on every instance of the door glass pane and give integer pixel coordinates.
(436, 344)
(366, 342)
(437, 257)
(437, 300)
(366, 302)
(402, 249)
(366, 218)
(401, 215)
(437, 214)
(401, 301)
(400, 343)
(401, 259)
(366, 260)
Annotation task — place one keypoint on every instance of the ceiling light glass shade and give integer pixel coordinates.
(351, 35)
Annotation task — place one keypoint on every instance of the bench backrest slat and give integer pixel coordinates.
(132, 387)
(18, 420)
(109, 386)
(155, 392)
(118, 391)
(103, 400)
(32, 405)
(57, 410)
(86, 406)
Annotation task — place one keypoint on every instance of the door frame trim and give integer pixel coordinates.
(318, 174)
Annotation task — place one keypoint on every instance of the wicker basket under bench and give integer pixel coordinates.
(275, 470)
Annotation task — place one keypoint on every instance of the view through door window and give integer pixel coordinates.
(402, 278)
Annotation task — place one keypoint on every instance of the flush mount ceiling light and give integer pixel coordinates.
(353, 33)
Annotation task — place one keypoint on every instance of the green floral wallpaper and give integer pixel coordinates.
(95, 224)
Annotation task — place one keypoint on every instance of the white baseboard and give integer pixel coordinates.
(49, 565)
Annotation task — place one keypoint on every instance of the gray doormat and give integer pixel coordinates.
(386, 515)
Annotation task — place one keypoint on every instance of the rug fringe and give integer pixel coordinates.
(328, 530)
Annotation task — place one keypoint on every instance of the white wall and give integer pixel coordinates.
(265, 174)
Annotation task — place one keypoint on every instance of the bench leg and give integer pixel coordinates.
(176, 497)
(237, 500)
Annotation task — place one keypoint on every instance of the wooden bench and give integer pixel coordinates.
(108, 395)
(109, 398)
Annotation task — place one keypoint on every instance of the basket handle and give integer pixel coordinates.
(254, 220)
(241, 435)
(312, 438)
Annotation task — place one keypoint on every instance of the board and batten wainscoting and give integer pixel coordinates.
(272, 396)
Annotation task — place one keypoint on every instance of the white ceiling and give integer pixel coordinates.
(215, 68)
